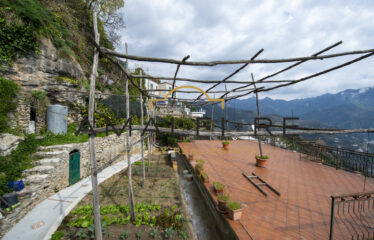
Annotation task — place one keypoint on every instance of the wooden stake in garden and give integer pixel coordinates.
(142, 124)
(91, 141)
(226, 116)
(258, 113)
(212, 119)
(131, 194)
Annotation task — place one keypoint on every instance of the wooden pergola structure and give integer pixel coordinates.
(245, 88)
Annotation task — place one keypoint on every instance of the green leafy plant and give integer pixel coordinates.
(204, 175)
(225, 142)
(153, 233)
(81, 234)
(234, 205)
(139, 234)
(8, 93)
(218, 185)
(201, 161)
(138, 220)
(199, 167)
(169, 232)
(57, 235)
(183, 234)
(223, 198)
(124, 235)
(262, 157)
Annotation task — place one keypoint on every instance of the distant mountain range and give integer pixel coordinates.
(352, 108)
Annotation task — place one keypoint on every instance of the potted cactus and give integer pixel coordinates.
(204, 177)
(261, 160)
(235, 210)
(218, 187)
(222, 202)
(225, 145)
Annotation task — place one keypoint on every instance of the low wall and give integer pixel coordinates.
(106, 149)
(220, 224)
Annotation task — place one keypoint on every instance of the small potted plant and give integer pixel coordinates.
(190, 157)
(235, 210)
(222, 202)
(261, 160)
(199, 168)
(218, 187)
(204, 177)
(225, 145)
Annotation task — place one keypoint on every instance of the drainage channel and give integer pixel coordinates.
(202, 218)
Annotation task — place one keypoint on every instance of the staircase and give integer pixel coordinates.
(37, 178)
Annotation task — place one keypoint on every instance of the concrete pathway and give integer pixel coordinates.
(44, 219)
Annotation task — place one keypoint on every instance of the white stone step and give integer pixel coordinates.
(64, 147)
(29, 191)
(54, 154)
(35, 179)
(46, 162)
(38, 170)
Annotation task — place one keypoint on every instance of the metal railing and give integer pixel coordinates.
(352, 216)
(340, 158)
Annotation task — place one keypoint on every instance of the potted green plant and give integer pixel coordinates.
(235, 210)
(190, 157)
(218, 187)
(204, 177)
(199, 168)
(261, 160)
(222, 202)
(225, 145)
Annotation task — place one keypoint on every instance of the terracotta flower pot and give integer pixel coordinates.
(261, 162)
(218, 191)
(205, 179)
(225, 146)
(235, 214)
(222, 205)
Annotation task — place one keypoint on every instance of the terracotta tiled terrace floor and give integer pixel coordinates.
(303, 209)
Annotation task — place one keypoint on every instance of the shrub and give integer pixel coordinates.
(12, 165)
(8, 92)
(201, 161)
(234, 205)
(223, 198)
(262, 157)
(218, 185)
(199, 167)
(225, 142)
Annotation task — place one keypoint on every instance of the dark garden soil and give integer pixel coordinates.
(158, 206)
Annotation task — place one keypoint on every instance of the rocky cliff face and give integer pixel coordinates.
(39, 71)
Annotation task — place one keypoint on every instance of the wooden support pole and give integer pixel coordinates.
(214, 63)
(91, 140)
(131, 194)
(142, 124)
(212, 120)
(226, 113)
(258, 113)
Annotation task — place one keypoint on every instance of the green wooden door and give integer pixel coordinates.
(74, 167)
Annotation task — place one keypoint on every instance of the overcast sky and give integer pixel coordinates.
(229, 30)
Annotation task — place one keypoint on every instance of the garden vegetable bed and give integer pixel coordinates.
(159, 211)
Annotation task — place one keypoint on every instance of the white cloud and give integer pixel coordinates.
(216, 30)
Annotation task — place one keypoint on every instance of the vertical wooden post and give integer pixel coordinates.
(142, 124)
(211, 122)
(91, 140)
(149, 149)
(258, 112)
(226, 117)
(131, 194)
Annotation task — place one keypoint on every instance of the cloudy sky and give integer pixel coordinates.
(229, 30)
